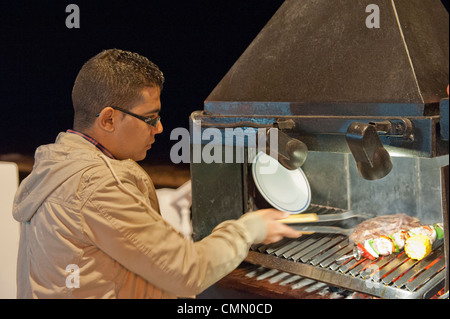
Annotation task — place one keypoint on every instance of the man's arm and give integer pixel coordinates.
(136, 236)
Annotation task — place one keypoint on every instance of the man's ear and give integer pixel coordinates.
(105, 119)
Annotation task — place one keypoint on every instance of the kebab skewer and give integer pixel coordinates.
(416, 242)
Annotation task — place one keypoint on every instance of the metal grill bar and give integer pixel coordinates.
(331, 248)
(419, 267)
(285, 284)
(392, 266)
(425, 275)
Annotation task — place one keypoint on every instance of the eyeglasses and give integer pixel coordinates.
(150, 121)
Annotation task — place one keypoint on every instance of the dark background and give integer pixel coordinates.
(194, 42)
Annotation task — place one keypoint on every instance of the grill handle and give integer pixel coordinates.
(372, 159)
(290, 152)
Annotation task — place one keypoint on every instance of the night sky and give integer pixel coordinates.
(194, 43)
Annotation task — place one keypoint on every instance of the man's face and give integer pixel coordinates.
(135, 137)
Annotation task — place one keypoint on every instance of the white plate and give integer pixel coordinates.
(286, 190)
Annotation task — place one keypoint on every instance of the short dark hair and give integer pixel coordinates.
(111, 78)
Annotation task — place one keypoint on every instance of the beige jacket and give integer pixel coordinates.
(91, 228)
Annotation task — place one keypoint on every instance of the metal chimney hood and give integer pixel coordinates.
(318, 57)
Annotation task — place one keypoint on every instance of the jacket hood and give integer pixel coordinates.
(54, 164)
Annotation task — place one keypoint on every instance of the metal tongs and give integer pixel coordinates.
(294, 220)
(313, 218)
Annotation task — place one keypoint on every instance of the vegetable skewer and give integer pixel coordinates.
(416, 242)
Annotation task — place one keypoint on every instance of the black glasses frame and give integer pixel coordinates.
(150, 121)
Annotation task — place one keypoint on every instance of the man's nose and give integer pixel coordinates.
(158, 129)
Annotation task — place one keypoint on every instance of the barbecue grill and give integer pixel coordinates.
(318, 257)
(367, 107)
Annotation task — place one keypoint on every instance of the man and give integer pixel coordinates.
(90, 220)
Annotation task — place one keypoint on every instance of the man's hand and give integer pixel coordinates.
(275, 230)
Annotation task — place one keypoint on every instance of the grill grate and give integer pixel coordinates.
(315, 256)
